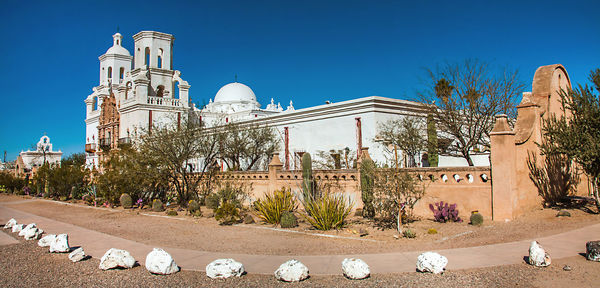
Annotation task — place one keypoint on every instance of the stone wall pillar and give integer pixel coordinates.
(503, 170)
(274, 167)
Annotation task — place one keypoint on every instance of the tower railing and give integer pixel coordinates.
(154, 100)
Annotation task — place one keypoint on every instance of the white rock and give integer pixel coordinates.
(224, 268)
(10, 223)
(538, 256)
(46, 240)
(114, 258)
(160, 262)
(77, 255)
(355, 269)
(17, 228)
(60, 244)
(291, 271)
(33, 234)
(27, 228)
(431, 262)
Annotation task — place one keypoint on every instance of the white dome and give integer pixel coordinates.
(117, 50)
(117, 47)
(235, 92)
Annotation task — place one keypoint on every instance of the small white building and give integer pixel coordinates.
(29, 161)
(147, 91)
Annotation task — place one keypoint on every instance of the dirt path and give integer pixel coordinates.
(205, 234)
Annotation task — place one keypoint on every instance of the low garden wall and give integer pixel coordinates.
(469, 187)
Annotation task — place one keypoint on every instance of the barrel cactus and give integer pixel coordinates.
(476, 219)
(288, 220)
(126, 201)
(194, 208)
(157, 205)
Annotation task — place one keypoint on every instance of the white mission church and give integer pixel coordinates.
(136, 92)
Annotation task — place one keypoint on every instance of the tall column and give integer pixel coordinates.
(287, 147)
(503, 166)
(358, 137)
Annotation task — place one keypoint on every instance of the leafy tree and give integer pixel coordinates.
(128, 171)
(407, 134)
(243, 147)
(465, 97)
(335, 159)
(576, 133)
(183, 154)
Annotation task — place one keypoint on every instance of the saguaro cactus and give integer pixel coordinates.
(367, 178)
(308, 183)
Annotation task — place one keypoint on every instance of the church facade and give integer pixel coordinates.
(139, 91)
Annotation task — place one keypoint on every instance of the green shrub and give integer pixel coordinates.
(157, 205)
(288, 220)
(327, 212)
(432, 231)
(233, 194)
(228, 214)
(126, 201)
(172, 213)
(273, 205)
(194, 208)
(409, 234)
(476, 219)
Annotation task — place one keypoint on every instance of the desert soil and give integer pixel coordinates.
(206, 234)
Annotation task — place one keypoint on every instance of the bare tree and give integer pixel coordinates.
(244, 146)
(407, 134)
(465, 97)
(184, 152)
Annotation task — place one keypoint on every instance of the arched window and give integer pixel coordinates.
(121, 74)
(159, 58)
(95, 104)
(109, 72)
(147, 57)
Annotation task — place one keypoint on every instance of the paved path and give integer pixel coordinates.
(95, 244)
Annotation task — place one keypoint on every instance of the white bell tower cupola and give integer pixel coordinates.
(115, 63)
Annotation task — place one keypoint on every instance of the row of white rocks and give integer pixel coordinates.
(159, 261)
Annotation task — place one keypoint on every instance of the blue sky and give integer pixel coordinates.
(307, 51)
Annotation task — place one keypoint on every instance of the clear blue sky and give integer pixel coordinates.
(308, 51)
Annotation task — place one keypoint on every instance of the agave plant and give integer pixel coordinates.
(272, 206)
(328, 211)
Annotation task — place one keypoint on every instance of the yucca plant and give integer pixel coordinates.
(327, 212)
(273, 205)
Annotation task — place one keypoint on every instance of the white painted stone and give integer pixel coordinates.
(431, 262)
(355, 269)
(33, 234)
(60, 244)
(10, 223)
(46, 240)
(224, 268)
(17, 228)
(291, 271)
(538, 256)
(160, 262)
(27, 228)
(77, 255)
(114, 258)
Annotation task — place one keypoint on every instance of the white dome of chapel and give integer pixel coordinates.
(117, 47)
(235, 92)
